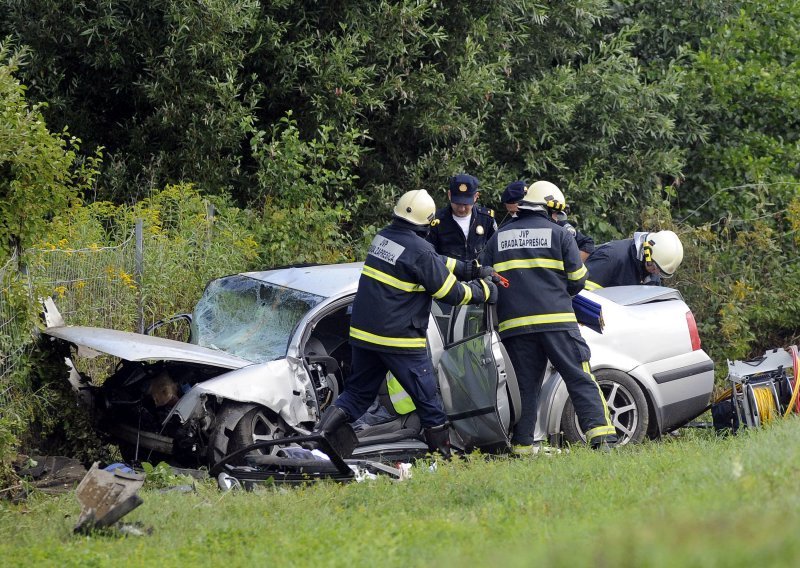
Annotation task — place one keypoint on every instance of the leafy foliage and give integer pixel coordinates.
(748, 79)
(39, 171)
(409, 93)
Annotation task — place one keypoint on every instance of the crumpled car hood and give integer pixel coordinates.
(91, 341)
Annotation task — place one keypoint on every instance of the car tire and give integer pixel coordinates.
(251, 424)
(627, 406)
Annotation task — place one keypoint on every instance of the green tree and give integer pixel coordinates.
(507, 89)
(39, 171)
(158, 83)
(747, 77)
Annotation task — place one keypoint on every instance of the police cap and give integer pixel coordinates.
(463, 188)
(513, 192)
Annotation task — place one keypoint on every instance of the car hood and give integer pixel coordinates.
(92, 341)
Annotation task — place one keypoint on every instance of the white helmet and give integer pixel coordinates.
(543, 194)
(665, 249)
(417, 207)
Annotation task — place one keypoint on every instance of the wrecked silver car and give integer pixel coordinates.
(268, 351)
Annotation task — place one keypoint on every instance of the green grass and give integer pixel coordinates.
(695, 500)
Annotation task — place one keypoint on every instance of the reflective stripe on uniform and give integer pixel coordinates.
(449, 282)
(486, 292)
(401, 400)
(608, 429)
(591, 285)
(578, 274)
(450, 263)
(407, 342)
(390, 280)
(540, 319)
(551, 263)
(467, 294)
(600, 431)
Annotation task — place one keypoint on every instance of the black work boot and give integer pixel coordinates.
(604, 443)
(438, 439)
(334, 425)
(331, 420)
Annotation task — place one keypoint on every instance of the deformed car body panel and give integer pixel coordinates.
(138, 347)
(283, 386)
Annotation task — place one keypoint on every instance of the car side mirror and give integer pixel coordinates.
(176, 327)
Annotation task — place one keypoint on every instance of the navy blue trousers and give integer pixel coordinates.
(414, 372)
(569, 354)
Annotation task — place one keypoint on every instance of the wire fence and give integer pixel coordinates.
(94, 286)
(15, 337)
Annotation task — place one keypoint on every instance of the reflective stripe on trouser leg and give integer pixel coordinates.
(607, 428)
(569, 353)
(529, 362)
(415, 374)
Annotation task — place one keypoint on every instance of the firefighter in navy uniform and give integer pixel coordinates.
(643, 259)
(511, 197)
(462, 229)
(402, 274)
(537, 323)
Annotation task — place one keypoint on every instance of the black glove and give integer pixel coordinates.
(479, 271)
(492, 299)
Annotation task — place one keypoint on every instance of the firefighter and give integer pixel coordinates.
(461, 229)
(511, 197)
(537, 323)
(402, 274)
(644, 259)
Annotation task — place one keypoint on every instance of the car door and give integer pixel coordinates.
(474, 377)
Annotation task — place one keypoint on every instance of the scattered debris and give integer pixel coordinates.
(106, 497)
(53, 475)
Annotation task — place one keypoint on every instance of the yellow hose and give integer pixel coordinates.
(793, 401)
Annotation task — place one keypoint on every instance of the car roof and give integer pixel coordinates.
(325, 280)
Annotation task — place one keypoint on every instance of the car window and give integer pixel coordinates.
(249, 318)
(460, 323)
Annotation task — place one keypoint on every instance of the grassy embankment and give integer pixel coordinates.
(696, 500)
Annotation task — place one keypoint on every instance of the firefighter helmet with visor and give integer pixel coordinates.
(542, 195)
(416, 206)
(665, 249)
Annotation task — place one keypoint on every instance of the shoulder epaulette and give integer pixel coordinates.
(485, 210)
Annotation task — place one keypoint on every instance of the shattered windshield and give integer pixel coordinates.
(248, 318)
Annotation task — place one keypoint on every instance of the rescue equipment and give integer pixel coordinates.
(589, 313)
(761, 390)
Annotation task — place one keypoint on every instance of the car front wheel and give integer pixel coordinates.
(252, 424)
(627, 407)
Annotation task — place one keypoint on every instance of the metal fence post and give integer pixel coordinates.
(16, 245)
(210, 223)
(139, 275)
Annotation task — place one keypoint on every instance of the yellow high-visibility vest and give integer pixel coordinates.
(401, 401)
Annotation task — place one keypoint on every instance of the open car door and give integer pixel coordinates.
(478, 385)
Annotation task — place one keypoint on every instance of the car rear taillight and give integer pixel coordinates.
(694, 335)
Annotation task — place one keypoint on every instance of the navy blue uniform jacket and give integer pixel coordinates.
(401, 276)
(617, 263)
(544, 270)
(448, 239)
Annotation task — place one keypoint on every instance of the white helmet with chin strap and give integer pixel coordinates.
(665, 249)
(543, 196)
(417, 207)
